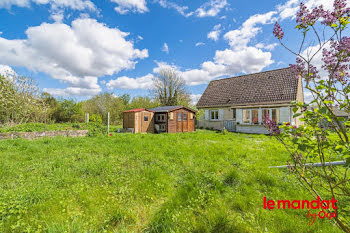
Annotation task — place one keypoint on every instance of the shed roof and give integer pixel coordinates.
(265, 87)
(170, 108)
(138, 110)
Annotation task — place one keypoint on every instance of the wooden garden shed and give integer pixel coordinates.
(174, 119)
(167, 119)
(141, 120)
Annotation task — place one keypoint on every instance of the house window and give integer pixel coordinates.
(179, 117)
(145, 118)
(255, 116)
(266, 114)
(171, 116)
(276, 115)
(214, 114)
(161, 117)
(185, 116)
(246, 116)
(191, 116)
(234, 114)
(251, 116)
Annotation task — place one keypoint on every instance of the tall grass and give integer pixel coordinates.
(193, 182)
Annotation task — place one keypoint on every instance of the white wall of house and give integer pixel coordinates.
(213, 118)
(217, 123)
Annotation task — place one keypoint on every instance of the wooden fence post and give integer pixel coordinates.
(108, 115)
(87, 119)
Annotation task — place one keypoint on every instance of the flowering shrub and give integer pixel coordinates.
(323, 136)
(20, 101)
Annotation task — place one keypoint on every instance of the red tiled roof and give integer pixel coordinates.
(138, 110)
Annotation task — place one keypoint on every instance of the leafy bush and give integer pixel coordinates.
(96, 129)
(40, 127)
(97, 118)
(224, 131)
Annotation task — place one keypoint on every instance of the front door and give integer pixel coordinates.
(179, 123)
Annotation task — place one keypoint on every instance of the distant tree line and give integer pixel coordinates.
(21, 101)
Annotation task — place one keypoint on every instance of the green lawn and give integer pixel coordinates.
(192, 182)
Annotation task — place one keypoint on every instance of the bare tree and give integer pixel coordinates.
(170, 88)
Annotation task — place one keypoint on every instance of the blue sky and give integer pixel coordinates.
(80, 48)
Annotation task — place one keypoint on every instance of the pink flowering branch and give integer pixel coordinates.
(312, 140)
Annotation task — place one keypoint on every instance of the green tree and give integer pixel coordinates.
(106, 102)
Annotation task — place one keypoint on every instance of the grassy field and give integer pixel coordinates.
(193, 182)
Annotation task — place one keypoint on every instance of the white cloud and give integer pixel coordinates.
(171, 5)
(214, 35)
(126, 6)
(227, 62)
(57, 7)
(76, 54)
(239, 58)
(242, 36)
(6, 70)
(165, 48)
(211, 8)
(72, 91)
(317, 59)
(73, 4)
(84, 15)
(145, 82)
(269, 47)
(308, 97)
(199, 44)
(246, 60)
(163, 65)
(57, 16)
(195, 98)
(140, 37)
(290, 8)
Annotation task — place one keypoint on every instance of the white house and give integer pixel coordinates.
(240, 103)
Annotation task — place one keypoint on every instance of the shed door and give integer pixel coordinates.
(146, 118)
(179, 123)
(185, 121)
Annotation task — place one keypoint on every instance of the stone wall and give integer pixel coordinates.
(33, 135)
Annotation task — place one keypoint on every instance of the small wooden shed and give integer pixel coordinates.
(141, 120)
(174, 119)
